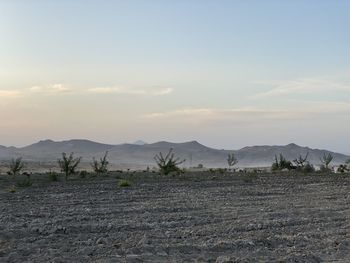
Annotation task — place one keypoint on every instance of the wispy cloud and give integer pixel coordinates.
(50, 89)
(303, 86)
(309, 110)
(238, 114)
(158, 91)
(8, 94)
(58, 88)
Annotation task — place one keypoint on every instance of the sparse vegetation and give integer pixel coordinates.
(124, 183)
(308, 168)
(231, 160)
(217, 170)
(12, 189)
(281, 163)
(68, 164)
(101, 166)
(301, 161)
(302, 165)
(53, 177)
(16, 166)
(326, 160)
(83, 174)
(168, 163)
(249, 178)
(24, 183)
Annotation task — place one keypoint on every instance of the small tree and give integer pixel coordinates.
(100, 167)
(231, 160)
(301, 161)
(281, 163)
(168, 163)
(16, 166)
(68, 164)
(326, 160)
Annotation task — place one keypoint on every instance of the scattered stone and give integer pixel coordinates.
(224, 259)
(102, 241)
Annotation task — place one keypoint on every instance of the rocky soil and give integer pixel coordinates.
(190, 218)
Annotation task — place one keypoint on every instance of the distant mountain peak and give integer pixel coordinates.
(139, 142)
(46, 141)
(194, 142)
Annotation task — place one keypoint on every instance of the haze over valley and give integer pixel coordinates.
(140, 155)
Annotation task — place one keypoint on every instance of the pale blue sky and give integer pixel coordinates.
(226, 73)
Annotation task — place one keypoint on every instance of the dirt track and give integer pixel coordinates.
(193, 218)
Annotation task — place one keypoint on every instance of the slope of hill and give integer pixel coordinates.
(142, 155)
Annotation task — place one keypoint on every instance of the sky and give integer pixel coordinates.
(225, 73)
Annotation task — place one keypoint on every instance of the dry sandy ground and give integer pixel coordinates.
(189, 218)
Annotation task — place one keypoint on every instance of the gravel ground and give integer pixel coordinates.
(198, 217)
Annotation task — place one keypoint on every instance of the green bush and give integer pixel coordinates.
(124, 183)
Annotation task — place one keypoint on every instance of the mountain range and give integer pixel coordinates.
(141, 154)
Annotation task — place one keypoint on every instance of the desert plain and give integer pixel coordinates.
(191, 217)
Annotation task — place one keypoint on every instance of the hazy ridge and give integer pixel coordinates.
(141, 154)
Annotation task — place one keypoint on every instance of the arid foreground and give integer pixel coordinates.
(198, 217)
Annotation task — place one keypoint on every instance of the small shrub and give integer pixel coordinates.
(325, 169)
(24, 183)
(281, 163)
(124, 183)
(53, 177)
(249, 178)
(68, 164)
(16, 166)
(221, 170)
(326, 160)
(12, 189)
(231, 160)
(218, 170)
(100, 167)
(308, 168)
(83, 174)
(300, 162)
(168, 163)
